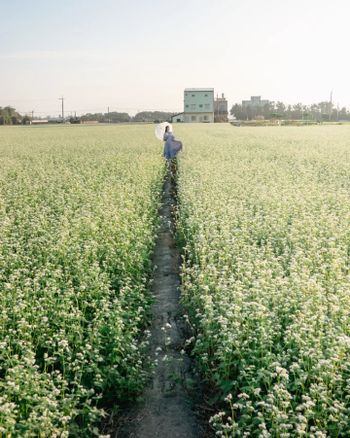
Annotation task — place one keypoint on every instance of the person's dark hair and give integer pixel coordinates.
(167, 128)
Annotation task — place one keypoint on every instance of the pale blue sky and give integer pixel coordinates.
(141, 55)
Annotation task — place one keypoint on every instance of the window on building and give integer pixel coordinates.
(205, 117)
(193, 118)
(205, 95)
(200, 105)
(187, 105)
(193, 106)
(193, 95)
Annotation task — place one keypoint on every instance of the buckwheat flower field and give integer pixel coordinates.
(78, 216)
(264, 217)
(263, 222)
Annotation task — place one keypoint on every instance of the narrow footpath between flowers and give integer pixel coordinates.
(167, 408)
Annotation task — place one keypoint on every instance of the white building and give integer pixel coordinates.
(177, 118)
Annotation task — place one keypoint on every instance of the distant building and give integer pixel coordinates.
(56, 120)
(255, 102)
(39, 121)
(220, 109)
(177, 118)
(198, 105)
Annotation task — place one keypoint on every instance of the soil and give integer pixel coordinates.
(168, 407)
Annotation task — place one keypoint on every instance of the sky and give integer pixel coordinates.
(140, 55)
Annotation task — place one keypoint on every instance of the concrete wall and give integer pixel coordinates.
(199, 117)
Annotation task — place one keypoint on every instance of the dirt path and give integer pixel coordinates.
(166, 410)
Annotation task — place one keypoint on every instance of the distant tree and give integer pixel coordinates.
(267, 110)
(317, 111)
(237, 111)
(289, 112)
(297, 111)
(9, 116)
(151, 116)
(116, 117)
(280, 109)
(89, 117)
(276, 115)
(343, 114)
(112, 117)
(326, 109)
(74, 120)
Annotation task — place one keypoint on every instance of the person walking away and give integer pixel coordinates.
(171, 148)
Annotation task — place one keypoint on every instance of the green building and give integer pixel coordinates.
(198, 105)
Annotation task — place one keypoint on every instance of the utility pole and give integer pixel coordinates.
(62, 99)
(32, 115)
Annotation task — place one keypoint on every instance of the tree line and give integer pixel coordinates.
(323, 111)
(116, 117)
(9, 116)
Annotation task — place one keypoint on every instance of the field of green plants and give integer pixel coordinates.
(265, 222)
(78, 216)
